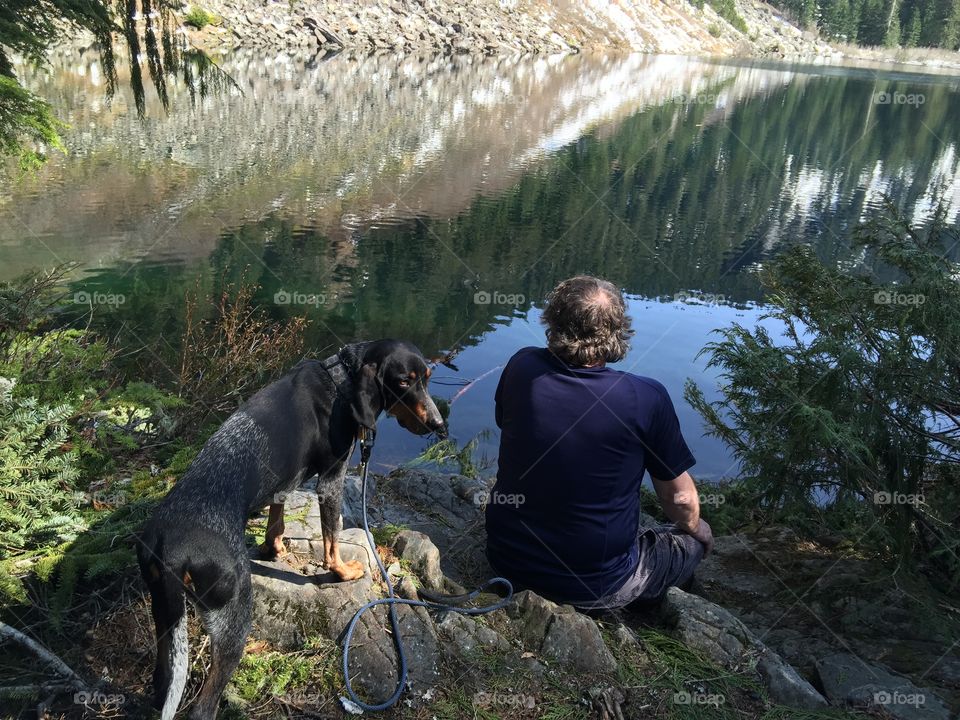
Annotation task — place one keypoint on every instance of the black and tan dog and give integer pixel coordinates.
(303, 424)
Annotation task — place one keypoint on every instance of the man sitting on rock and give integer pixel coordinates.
(576, 438)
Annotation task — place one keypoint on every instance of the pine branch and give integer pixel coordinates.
(52, 661)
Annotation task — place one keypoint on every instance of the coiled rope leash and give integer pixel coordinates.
(437, 602)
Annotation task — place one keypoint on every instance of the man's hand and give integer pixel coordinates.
(705, 535)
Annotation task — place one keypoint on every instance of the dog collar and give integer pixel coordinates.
(339, 373)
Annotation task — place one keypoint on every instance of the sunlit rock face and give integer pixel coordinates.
(508, 27)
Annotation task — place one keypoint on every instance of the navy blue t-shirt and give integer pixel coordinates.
(563, 516)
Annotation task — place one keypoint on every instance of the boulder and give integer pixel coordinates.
(560, 633)
(714, 632)
(422, 556)
(847, 680)
(352, 505)
(286, 606)
(355, 546)
(373, 664)
(465, 634)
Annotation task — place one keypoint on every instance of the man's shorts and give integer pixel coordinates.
(668, 556)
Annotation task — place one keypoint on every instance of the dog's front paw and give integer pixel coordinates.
(350, 570)
(272, 550)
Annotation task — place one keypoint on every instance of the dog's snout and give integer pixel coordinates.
(435, 419)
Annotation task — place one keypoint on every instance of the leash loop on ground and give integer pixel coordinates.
(436, 602)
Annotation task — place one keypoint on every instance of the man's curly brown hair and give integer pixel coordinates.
(587, 322)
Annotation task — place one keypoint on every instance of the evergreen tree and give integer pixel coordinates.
(927, 23)
(854, 413)
(873, 22)
(951, 29)
(892, 36)
(28, 28)
(911, 37)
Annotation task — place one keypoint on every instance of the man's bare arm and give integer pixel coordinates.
(681, 504)
(680, 501)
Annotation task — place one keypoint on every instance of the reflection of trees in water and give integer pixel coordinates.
(667, 202)
(150, 35)
(343, 145)
(151, 32)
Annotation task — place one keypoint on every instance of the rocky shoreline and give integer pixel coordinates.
(507, 27)
(542, 640)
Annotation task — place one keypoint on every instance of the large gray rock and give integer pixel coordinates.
(290, 606)
(458, 499)
(561, 633)
(286, 606)
(714, 632)
(847, 680)
(373, 664)
(354, 545)
(422, 556)
(466, 635)
(352, 510)
(302, 529)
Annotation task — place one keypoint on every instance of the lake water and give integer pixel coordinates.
(439, 199)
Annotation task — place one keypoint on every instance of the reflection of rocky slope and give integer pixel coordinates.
(339, 146)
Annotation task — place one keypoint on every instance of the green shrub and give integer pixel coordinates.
(727, 9)
(37, 470)
(855, 413)
(447, 454)
(71, 429)
(230, 349)
(271, 673)
(199, 18)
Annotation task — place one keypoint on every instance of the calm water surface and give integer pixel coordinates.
(439, 199)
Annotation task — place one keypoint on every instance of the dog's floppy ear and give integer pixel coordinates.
(367, 396)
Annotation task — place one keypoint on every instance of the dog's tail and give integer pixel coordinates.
(197, 564)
